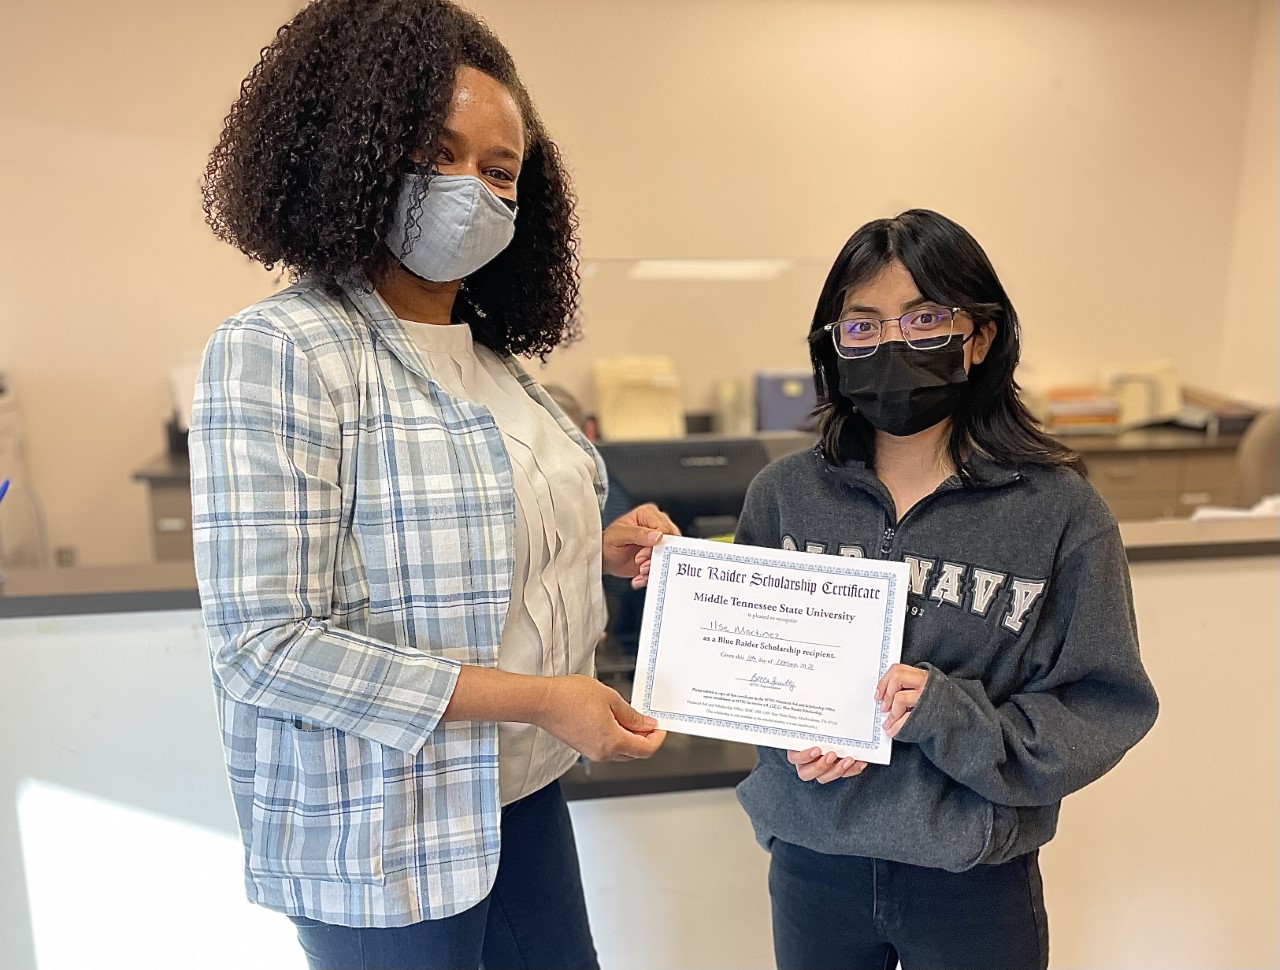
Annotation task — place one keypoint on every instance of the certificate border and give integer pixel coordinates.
(748, 559)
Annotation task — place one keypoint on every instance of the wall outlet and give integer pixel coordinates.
(64, 556)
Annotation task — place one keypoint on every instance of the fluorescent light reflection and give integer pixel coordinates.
(114, 888)
(709, 270)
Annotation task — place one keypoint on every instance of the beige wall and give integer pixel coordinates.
(1251, 336)
(110, 276)
(1094, 148)
(1108, 155)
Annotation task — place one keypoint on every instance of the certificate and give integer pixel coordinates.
(768, 646)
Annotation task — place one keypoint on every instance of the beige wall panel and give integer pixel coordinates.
(1099, 151)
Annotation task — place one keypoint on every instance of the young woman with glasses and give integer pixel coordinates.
(1020, 679)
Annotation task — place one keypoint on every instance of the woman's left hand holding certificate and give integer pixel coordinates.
(627, 544)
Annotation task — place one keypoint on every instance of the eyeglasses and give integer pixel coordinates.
(924, 328)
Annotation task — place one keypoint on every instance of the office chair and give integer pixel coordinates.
(1258, 459)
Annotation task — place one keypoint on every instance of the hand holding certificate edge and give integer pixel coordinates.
(812, 765)
(898, 692)
(596, 721)
(627, 544)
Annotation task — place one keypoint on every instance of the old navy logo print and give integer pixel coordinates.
(960, 585)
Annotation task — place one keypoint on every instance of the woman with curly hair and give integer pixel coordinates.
(398, 533)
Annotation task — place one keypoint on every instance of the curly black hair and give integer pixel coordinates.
(307, 171)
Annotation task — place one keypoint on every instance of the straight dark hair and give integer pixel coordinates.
(950, 269)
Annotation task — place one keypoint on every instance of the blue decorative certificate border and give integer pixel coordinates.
(747, 559)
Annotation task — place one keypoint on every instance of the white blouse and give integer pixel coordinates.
(557, 602)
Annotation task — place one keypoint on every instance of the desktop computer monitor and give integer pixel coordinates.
(700, 481)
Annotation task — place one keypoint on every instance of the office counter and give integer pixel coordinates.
(172, 586)
(143, 588)
(1159, 472)
(114, 806)
(684, 763)
(1169, 540)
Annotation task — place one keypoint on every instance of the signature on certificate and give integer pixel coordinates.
(771, 683)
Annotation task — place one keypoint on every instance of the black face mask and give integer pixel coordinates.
(902, 391)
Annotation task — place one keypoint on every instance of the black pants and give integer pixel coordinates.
(534, 919)
(834, 912)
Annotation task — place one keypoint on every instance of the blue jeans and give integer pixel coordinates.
(851, 913)
(535, 918)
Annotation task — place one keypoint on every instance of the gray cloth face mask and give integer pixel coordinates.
(461, 226)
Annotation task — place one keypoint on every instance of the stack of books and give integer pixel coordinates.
(1080, 410)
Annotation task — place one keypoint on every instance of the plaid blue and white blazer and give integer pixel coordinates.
(353, 540)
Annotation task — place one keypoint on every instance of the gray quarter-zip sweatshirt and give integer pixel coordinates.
(1020, 610)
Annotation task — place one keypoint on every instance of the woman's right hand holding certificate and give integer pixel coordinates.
(595, 721)
(812, 765)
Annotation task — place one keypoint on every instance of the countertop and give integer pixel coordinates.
(1150, 439)
(684, 763)
(171, 586)
(172, 469)
(1205, 539)
(141, 588)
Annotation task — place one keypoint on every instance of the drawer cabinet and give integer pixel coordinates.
(168, 481)
(1139, 484)
(171, 522)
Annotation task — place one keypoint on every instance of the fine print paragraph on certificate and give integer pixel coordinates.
(768, 646)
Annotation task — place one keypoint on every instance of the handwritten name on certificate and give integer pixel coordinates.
(770, 647)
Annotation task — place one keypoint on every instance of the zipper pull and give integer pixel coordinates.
(886, 543)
